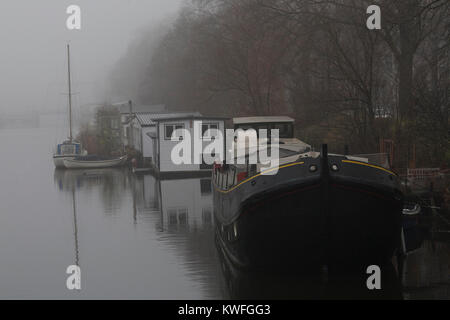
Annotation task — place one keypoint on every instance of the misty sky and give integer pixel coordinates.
(33, 37)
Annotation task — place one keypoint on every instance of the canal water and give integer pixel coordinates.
(135, 237)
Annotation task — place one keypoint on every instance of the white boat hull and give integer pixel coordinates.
(83, 164)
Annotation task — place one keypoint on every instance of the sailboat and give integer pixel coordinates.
(70, 148)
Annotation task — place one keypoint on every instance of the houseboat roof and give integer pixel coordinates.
(150, 119)
(145, 119)
(185, 116)
(248, 120)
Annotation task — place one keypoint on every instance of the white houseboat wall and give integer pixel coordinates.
(143, 128)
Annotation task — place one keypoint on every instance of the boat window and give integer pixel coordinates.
(285, 130)
(68, 149)
(282, 153)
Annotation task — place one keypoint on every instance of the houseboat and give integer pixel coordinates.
(159, 142)
(318, 209)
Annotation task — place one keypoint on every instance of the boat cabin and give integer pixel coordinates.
(68, 148)
(284, 124)
(231, 174)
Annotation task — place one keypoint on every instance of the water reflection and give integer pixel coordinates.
(179, 211)
(180, 214)
(75, 229)
(186, 224)
(112, 184)
(315, 285)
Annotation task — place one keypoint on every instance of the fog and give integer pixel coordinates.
(33, 48)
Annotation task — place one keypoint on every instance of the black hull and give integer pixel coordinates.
(338, 221)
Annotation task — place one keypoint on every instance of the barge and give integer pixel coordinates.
(319, 209)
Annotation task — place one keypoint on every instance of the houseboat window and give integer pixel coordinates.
(206, 127)
(169, 129)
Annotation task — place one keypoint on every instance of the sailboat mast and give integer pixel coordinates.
(70, 94)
